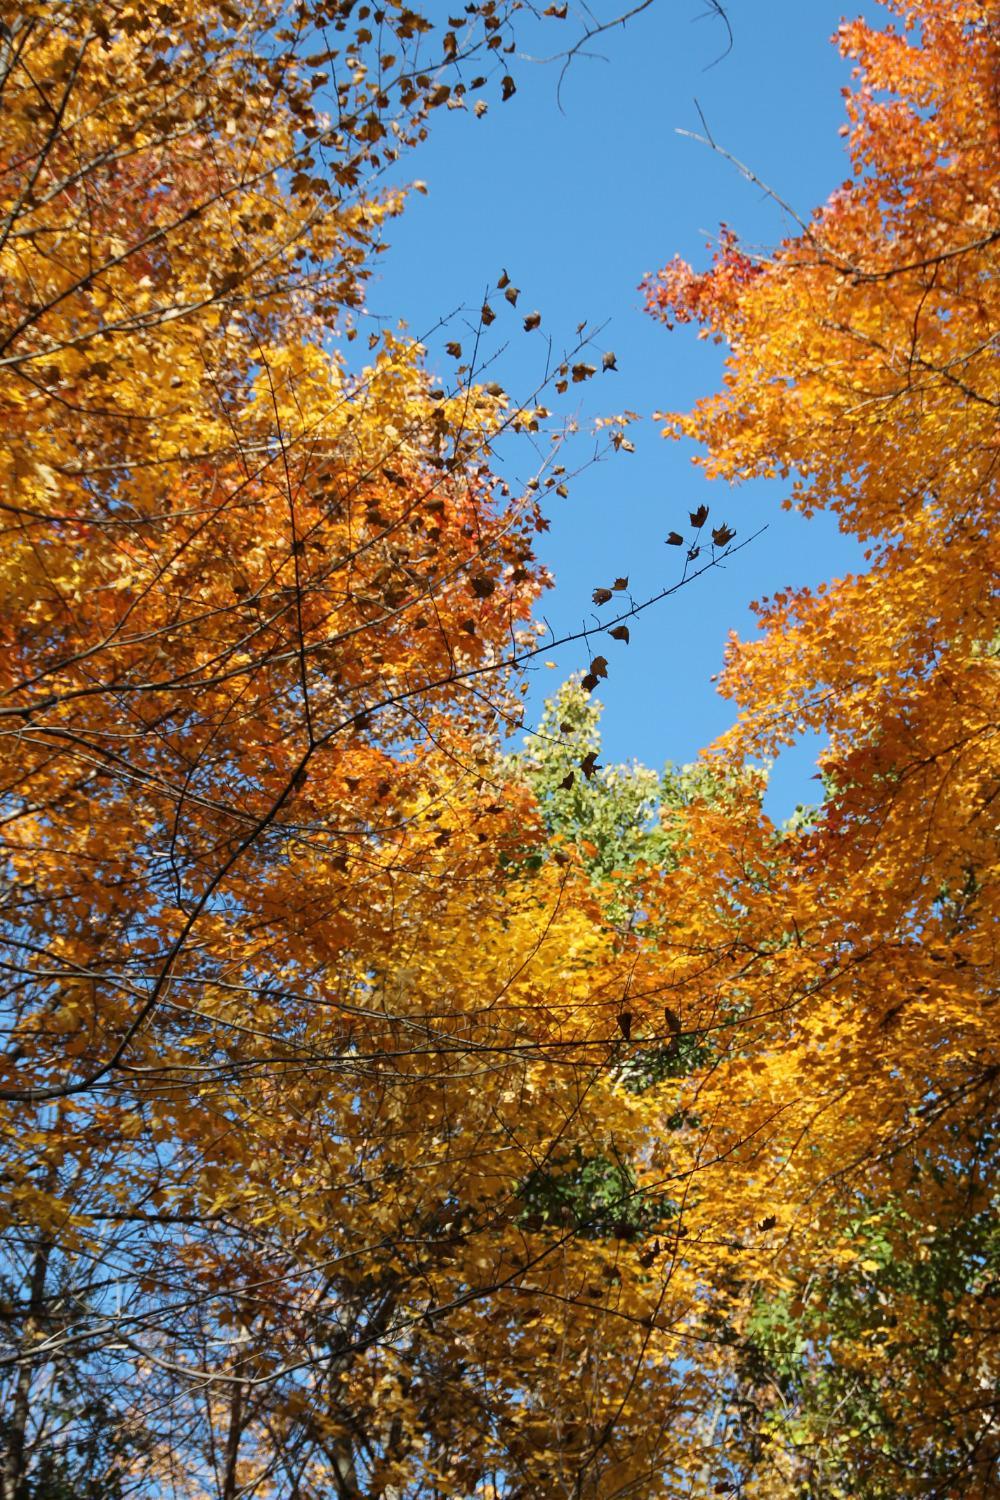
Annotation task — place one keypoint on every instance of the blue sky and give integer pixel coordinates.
(576, 204)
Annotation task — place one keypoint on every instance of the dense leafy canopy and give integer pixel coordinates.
(384, 1113)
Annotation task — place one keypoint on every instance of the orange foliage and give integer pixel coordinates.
(357, 1140)
(859, 955)
(312, 1053)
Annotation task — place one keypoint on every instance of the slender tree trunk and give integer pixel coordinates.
(711, 1422)
(236, 1422)
(13, 1470)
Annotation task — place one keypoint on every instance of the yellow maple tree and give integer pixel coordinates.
(318, 1172)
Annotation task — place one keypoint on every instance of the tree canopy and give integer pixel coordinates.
(388, 1110)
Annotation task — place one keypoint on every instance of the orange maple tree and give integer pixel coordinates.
(849, 976)
(239, 589)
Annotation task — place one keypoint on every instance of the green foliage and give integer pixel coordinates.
(594, 1196)
(843, 1352)
(647, 1066)
(618, 816)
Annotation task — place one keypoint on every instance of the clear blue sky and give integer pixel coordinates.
(576, 205)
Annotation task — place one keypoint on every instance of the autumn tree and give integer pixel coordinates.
(853, 1107)
(290, 1028)
(236, 582)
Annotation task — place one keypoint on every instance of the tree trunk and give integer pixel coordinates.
(236, 1422)
(13, 1470)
